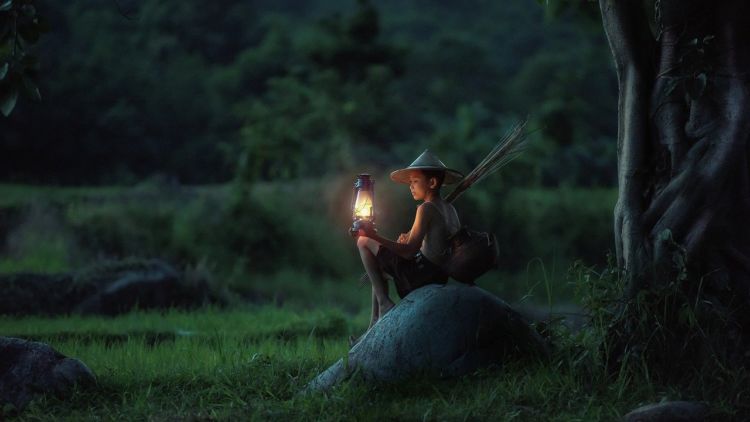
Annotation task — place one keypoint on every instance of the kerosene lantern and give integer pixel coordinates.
(363, 213)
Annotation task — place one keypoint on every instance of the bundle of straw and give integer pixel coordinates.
(508, 148)
(512, 144)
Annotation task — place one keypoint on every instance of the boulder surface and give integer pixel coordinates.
(154, 285)
(29, 369)
(438, 330)
(106, 288)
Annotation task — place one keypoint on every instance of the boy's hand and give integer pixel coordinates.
(403, 238)
(367, 231)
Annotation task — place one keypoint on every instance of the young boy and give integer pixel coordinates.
(414, 259)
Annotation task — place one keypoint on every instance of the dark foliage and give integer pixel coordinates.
(266, 90)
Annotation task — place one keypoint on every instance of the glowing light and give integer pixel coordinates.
(363, 205)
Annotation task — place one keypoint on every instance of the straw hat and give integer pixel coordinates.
(427, 161)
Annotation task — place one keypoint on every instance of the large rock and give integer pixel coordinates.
(29, 369)
(151, 285)
(107, 288)
(438, 330)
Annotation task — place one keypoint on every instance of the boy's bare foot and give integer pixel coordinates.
(384, 308)
(353, 340)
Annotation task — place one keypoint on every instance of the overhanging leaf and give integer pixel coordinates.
(8, 101)
(5, 6)
(3, 71)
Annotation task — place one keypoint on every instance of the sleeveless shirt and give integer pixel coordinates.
(435, 243)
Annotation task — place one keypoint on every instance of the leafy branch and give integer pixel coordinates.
(20, 28)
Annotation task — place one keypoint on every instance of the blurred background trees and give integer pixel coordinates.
(229, 132)
(278, 90)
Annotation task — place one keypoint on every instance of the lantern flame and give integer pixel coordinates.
(363, 205)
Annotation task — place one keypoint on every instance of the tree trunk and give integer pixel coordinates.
(683, 68)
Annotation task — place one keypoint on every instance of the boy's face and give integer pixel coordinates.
(419, 185)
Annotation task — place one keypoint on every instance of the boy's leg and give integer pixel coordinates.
(375, 314)
(367, 250)
(373, 317)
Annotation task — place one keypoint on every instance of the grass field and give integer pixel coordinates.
(251, 363)
(250, 360)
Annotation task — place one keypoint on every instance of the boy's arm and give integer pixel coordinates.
(416, 235)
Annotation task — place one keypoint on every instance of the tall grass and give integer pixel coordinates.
(251, 363)
(245, 235)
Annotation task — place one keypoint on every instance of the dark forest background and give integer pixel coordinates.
(229, 133)
(202, 91)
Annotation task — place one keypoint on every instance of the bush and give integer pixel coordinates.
(263, 231)
(113, 230)
(37, 240)
(243, 233)
(227, 233)
(539, 223)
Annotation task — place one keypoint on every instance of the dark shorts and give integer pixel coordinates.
(409, 274)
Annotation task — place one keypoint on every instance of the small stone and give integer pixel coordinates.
(671, 411)
(29, 369)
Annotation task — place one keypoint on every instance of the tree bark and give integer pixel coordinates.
(683, 68)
